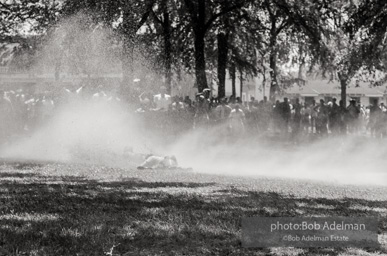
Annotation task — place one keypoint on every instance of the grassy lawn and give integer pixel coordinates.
(57, 209)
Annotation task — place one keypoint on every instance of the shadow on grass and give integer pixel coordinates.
(68, 215)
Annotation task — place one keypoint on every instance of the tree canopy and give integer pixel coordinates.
(339, 39)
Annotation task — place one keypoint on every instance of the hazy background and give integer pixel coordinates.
(100, 131)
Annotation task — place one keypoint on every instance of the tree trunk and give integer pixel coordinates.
(167, 51)
(343, 85)
(263, 73)
(241, 84)
(233, 78)
(200, 63)
(222, 63)
(273, 54)
(273, 67)
(273, 76)
(301, 69)
(200, 32)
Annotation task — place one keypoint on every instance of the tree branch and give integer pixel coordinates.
(298, 18)
(191, 10)
(283, 25)
(5, 6)
(225, 11)
(272, 16)
(145, 16)
(158, 20)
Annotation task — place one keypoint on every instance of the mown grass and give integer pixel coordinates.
(46, 211)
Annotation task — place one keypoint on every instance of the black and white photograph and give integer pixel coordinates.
(193, 127)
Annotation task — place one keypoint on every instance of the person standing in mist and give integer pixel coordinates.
(162, 100)
(313, 115)
(322, 118)
(375, 120)
(343, 118)
(201, 118)
(297, 107)
(334, 117)
(222, 112)
(237, 121)
(276, 117)
(352, 116)
(266, 108)
(285, 113)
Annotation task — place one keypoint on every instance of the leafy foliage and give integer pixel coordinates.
(342, 39)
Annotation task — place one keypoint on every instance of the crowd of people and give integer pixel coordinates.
(21, 112)
(285, 117)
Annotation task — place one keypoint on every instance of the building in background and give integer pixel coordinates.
(364, 93)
